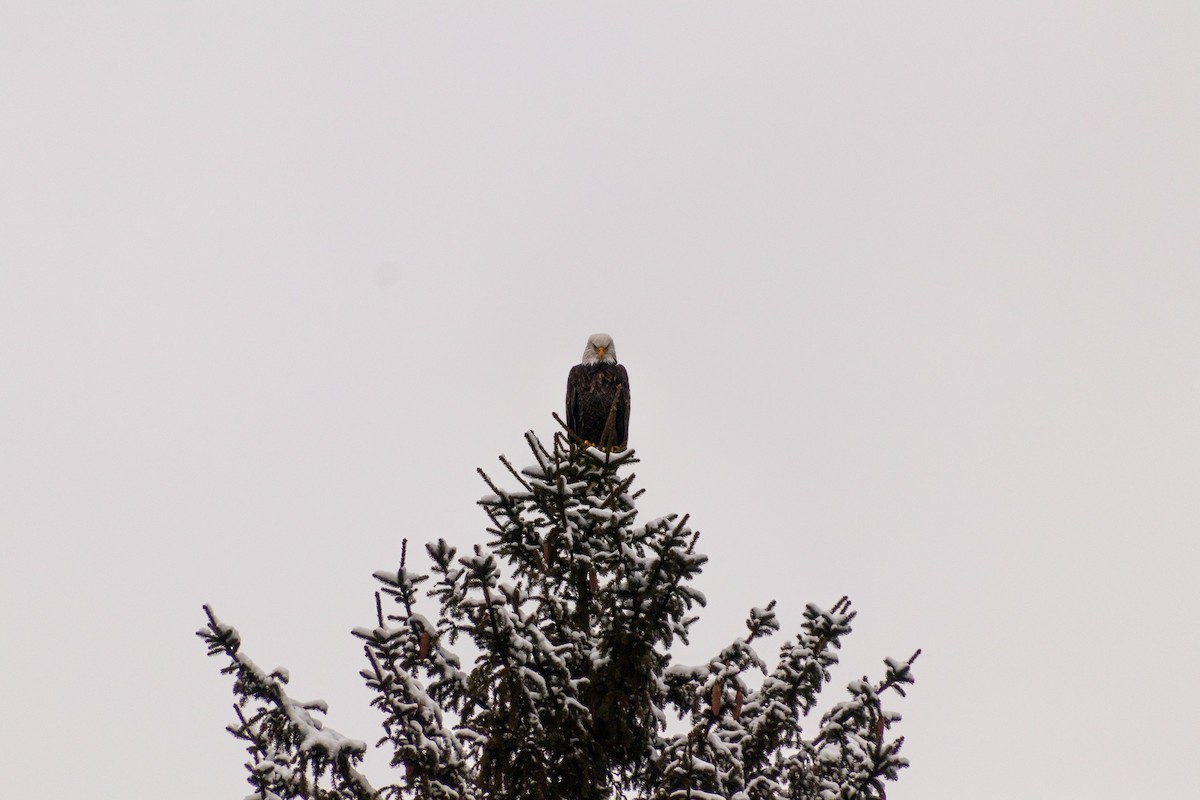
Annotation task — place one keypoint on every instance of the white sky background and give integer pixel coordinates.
(908, 295)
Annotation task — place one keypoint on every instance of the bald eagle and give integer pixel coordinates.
(591, 387)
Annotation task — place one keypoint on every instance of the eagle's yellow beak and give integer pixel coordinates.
(600, 351)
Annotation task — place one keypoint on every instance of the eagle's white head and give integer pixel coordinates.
(600, 350)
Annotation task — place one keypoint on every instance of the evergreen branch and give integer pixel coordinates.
(572, 610)
(504, 460)
(290, 749)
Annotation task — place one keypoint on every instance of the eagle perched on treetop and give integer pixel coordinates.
(592, 387)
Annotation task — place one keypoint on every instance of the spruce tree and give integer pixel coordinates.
(569, 612)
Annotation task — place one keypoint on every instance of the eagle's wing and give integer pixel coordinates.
(573, 399)
(623, 407)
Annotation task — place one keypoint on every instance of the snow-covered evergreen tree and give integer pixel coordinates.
(571, 609)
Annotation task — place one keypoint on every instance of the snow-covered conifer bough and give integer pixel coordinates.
(571, 607)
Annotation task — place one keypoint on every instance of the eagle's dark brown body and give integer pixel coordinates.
(590, 392)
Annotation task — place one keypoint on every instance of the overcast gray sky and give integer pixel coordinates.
(907, 292)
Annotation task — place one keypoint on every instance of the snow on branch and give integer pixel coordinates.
(291, 751)
(749, 743)
(569, 610)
